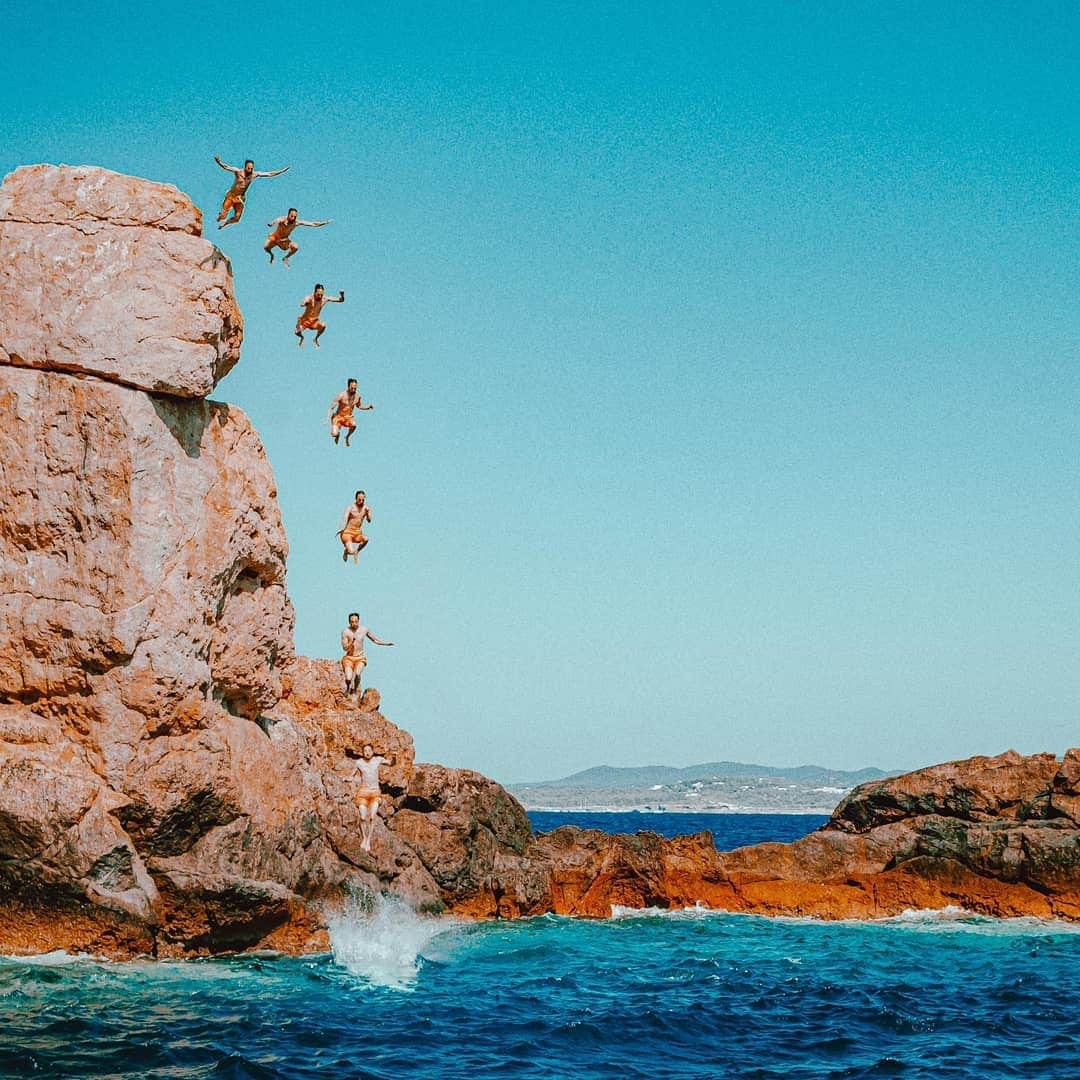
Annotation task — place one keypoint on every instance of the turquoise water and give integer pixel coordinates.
(729, 830)
(643, 994)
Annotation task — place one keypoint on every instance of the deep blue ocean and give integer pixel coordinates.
(643, 994)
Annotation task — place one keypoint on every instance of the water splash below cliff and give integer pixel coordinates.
(383, 941)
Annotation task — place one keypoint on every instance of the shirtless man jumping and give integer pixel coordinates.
(283, 227)
(352, 644)
(234, 199)
(367, 793)
(352, 527)
(341, 412)
(309, 317)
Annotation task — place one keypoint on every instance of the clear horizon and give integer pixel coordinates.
(725, 361)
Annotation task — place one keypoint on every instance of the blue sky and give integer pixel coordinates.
(725, 359)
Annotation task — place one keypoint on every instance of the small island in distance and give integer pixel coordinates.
(729, 787)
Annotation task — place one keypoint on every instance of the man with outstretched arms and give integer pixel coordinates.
(341, 411)
(351, 532)
(282, 233)
(352, 644)
(242, 180)
(367, 792)
(309, 317)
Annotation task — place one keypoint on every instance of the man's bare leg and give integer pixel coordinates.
(300, 334)
(348, 435)
(269, 249)
(293, 249)
(367, 824)
(320, 330)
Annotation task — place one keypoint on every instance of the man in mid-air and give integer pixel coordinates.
(341, 412)
(367, 792)
(282, 231)
(352, 645)
(243, 179)
(351, 532)
(312, 307)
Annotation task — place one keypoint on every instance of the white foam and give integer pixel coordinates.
(620, 911)
(949, 919)
(952, 919)
(383, 942)
(56, 958)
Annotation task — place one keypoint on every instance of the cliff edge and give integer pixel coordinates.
(173, 775)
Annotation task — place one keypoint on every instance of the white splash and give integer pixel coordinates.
(952, 919)
(699, 910)
(384, 941)
(56, 958)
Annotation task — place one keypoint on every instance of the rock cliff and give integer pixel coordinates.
(172, 775)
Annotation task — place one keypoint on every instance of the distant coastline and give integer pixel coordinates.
(717, 787)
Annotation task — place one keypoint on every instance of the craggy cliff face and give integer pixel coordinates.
(173, 779)
(157, 793)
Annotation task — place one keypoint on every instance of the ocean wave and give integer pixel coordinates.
(56, 958)
(949, 919)
(698, 911)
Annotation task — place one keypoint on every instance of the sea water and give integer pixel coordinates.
(642, 994)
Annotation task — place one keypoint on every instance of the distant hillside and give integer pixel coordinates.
(610, 778)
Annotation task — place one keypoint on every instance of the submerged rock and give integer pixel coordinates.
(173, 778)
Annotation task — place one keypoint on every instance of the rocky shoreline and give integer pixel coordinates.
(173, 776)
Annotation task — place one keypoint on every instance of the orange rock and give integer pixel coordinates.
(110, 275)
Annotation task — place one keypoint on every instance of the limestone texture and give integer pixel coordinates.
(174, 779)
(109, 275)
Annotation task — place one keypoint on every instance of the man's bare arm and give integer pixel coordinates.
(339, 299)
(315, 224)
(365, 408)
(275, 172)
(228, 168)
(377, 641)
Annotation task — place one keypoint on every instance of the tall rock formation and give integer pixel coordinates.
(171, 775)
(173, 778)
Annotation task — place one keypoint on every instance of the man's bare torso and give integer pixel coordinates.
(241, 184)
(352, 641)
(283, 227)
(346, 402)
(357, 515)
(368, 770)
